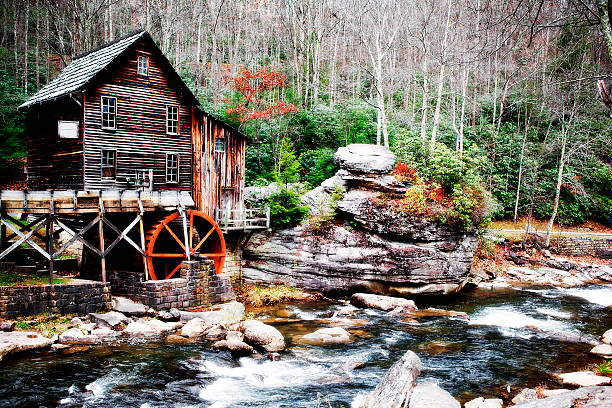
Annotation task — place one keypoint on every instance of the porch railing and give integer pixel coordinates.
(243, 219)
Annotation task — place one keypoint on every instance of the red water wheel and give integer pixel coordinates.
(167, 249)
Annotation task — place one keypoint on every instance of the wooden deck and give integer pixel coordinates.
(83, 202)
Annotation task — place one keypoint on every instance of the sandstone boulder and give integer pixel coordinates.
(602, 350)
(385, 303)
(330, 335)
(150, 328)
(583, 379)
(588, 397)
(6, 348)
(234, 342)
(397, 383)
(550, 393)
(77, 336)
(105, 334)
(24, 341)
(526, 394)
(429, 394)
(484, 403)
(607, 337)
(112, 320)
(225, 314)
(194, 328)
(128, 306)
(7, 325)
(365, 158)
(261, 335)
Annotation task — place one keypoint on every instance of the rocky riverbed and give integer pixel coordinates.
(475, 347)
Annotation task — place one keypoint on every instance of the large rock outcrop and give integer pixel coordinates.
(375, 248)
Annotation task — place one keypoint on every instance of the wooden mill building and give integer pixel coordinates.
(121, 157)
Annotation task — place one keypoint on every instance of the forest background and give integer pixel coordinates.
(505, 100)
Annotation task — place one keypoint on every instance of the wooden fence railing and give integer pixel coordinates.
(243, 219)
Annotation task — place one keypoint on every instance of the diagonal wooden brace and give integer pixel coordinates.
(25, 238)
(78, 236)
(122, 235)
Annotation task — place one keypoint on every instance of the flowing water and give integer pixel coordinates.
(481, 356)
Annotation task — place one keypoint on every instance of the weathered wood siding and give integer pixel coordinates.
(54, 163)
(140, 138)
(218, 176)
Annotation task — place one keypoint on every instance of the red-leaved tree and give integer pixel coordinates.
(257, 99)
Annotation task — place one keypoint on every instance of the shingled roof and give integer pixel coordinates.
(85, 67)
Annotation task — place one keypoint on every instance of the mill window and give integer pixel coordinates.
(172, 120)
(143, 65)
(219, 145)
(109, 164)
(172, 168)
(109, 113)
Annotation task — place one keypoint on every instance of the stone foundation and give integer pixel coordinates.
(198, 286)
(76, 297)
(233, 266)
(581, 246)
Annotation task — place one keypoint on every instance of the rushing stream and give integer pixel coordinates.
(479, 356)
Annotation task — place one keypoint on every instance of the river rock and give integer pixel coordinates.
(429, 394)
(6, 348)
(76, 321)
(112, 320)
(7, 326)
(480, 402)
(588, 397)
(194, 328)
(105, 334)
(607, 337)
(583, 378)
(173, 315)
(549, 393)
(397, 384)
(602, 350)
(329, 335)
(365, 158)
(433, 312)
(77, 336)
(224, 314)
(385, 303)
(261, 335)
(128, 306)
(525, 395)
(235, 344)
(150, 328)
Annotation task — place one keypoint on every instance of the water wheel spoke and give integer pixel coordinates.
(168, 255)
(174, 270)
(190, 230)
(204, 239)
(213, 254)
(174, 236)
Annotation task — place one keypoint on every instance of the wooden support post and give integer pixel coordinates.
(142, 238)
(2, 229)
(101, 234)
(102, 257)
(50, 236)
(50, 247)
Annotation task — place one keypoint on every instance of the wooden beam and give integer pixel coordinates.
(101, 236)
(50, 247)
(142, 238)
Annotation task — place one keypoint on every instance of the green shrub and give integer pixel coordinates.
(286, 209)
(318, 165)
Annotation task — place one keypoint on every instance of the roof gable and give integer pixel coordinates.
(84, 68)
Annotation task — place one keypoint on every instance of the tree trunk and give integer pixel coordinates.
(605, 11)
(466, 74)
(425, 96)
(518, 187)
(26, 20)
(557, 191)
(436, 120)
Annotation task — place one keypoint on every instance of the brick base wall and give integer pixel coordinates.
(77, 297)
(198, 286)
(581, 246)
